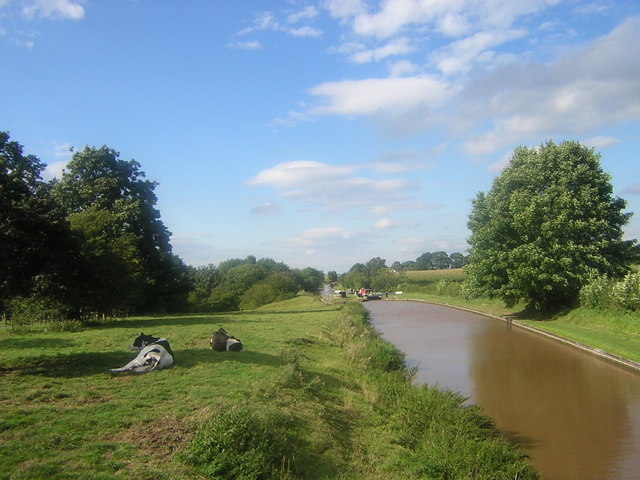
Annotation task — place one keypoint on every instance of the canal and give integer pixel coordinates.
(577, 415)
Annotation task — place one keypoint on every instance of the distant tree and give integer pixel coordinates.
(397, 266)
(549, 223)
(409, 265)
(355, 279)
(458, 260)
(276, 287)
(374, 265)
(424, 262)
(311, 279)
(332, 276)
(440, 260)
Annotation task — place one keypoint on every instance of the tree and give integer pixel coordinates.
(424, 262)
(548, 224)
(96, 179)
(458, 260)
(440, 260)
(37, 248)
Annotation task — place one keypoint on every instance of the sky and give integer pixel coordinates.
(322, 134)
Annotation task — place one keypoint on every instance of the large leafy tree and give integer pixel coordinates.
(37, 249)
(97, 187)
(549, 222)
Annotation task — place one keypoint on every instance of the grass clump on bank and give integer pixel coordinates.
(316, 394)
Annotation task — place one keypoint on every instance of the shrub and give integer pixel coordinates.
(36, 309)
(626, 293)
(596, 293)
(241, 444)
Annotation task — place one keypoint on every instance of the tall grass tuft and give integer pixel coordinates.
(242, 444)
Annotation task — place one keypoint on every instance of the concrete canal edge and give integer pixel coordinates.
(623, 362)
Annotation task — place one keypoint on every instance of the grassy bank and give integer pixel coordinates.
(315, 394)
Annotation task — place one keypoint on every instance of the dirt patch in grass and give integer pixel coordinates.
(161, 438)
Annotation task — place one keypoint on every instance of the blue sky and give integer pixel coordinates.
(325, 133)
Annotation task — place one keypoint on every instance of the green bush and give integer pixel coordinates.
(602, 293)
(242, 444)
(35, 310)
(626, 293)
(596, 293)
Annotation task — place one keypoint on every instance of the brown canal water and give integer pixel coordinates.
(577, 415)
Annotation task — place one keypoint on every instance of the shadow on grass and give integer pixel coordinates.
(39, 341)
(68, 365)
(192, 357)
(92, 363)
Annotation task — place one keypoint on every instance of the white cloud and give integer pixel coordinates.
(384, 223)
(398, 46)
(374, 95)
(55, 9)
(458, 56)
(250, 45)
(308, 13)
(598, 85)
(402, 68)
(305, 31)
(334, 188)
(345, 9)
(54, 170)
(267, 21)
(450, 17)
(600, 142)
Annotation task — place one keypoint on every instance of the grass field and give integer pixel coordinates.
(315, 394)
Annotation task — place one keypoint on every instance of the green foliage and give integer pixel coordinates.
(241, 444)
(248, 284)
(276, 287)
(38, 252)
(603, 293)
(547, 225)
(112, 205)
(596, 293)
(626, 292)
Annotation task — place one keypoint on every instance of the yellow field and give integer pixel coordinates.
(455, 274)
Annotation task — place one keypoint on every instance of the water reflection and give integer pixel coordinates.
(577, 415)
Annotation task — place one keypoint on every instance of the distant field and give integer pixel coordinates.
(454, 274)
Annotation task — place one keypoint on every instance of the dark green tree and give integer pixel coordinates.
(37, 249)
(424, 262)
(311, 279)
(96, 179)
(440, 260)
(549, 223)
(458, 260)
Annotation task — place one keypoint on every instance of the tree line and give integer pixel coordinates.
(92, 243)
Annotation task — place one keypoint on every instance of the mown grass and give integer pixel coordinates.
(315, 394)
